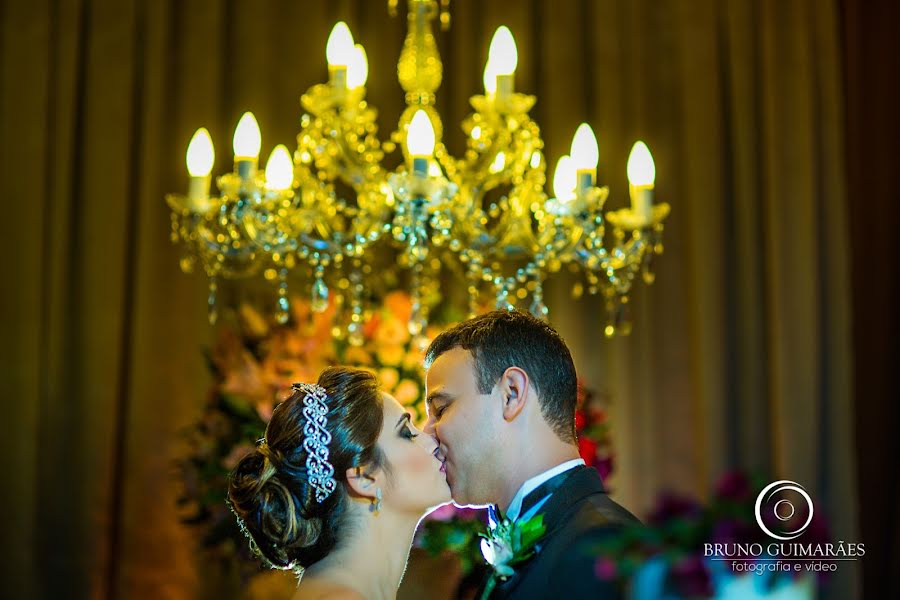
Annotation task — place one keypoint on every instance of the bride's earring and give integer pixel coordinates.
(376, 502)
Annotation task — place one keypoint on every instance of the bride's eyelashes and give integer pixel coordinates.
(405, 432)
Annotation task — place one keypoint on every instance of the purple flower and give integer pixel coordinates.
(444, 513)
(690, 578)
(604, 466)
(605, 568)
(733, 485)
(671, 506)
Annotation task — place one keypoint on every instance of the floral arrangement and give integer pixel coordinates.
(254, 361)
(669, 549)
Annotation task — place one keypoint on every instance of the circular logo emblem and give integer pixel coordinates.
(771, 501)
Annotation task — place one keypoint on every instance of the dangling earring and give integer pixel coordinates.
(376, 502)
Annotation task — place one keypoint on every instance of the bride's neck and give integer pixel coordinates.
(372, 561)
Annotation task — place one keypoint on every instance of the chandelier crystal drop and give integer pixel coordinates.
(477, 230)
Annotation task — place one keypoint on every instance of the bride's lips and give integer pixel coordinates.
(437, 455)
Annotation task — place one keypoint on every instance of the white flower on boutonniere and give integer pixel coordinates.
(507, 544)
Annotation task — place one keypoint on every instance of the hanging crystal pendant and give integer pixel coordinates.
(355, 334)
(354, 328)
(319, 302)
(212, 310)
(319, 295)
(538, 308)
(417, 320)
(283, 311)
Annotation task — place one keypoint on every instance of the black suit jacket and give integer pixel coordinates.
(577, 516)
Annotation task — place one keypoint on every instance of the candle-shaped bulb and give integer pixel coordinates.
(339, 49)
(584, 151)
(358, 69)
(641, 170)
(279, 169)
(564, 179)
(420, 138)
(503, 54)
(499, 163)
(490, 79)
(247, 139)
(200, 154)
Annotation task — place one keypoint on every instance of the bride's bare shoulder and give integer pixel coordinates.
(322, 589)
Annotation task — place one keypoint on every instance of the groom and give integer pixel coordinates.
(501, 392)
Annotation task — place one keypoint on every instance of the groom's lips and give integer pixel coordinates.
(437, 455)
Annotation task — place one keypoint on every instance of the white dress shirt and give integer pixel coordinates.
(512, 513)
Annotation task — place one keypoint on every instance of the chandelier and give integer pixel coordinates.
(477, 230)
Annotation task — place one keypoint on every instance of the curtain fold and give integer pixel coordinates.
(740, 353)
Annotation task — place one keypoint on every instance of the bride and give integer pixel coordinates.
(337, 487)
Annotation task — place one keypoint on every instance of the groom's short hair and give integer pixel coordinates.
(509, 338)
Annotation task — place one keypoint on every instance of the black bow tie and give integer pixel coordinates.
(534, 496)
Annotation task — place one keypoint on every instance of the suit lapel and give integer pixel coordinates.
(576, 484)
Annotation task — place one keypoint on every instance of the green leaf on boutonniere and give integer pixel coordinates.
(510, 543)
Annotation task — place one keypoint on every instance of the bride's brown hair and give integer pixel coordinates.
(269, 491)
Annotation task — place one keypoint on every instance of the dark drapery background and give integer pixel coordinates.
(774, 132)
(872, 80)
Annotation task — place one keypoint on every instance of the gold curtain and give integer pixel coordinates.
(740, 354)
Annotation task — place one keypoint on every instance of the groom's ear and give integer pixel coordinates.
(361, 483)
(514, 388)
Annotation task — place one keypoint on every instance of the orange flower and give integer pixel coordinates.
(391, 356)
(407, 392)
(253, 323)
(245, 378)
(371, 325)
(388, 378)
(392, 332)
(356, 356)
(399, 304)
(413, 361)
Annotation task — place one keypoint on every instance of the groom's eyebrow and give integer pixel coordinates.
(436, 396)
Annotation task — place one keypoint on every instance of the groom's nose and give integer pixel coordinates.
(428, 427)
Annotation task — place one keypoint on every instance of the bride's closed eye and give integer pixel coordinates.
(404, 430)
(408, 434)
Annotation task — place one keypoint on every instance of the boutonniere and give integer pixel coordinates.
(507, 544)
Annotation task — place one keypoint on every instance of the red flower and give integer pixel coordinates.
(579, 420)
(587, 448)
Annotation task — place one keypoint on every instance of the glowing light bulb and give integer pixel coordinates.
(420, 138)
(279, 169)
(247, 139)
(490, 79)
(641, 176)
(564, 179)
(200, 154)
(535, 159)
(358, 69)
(641, 170)
(503, 54)
(499, 163)
(585, 153)
(339, 50)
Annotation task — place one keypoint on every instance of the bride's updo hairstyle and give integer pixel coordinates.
(269, 490)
